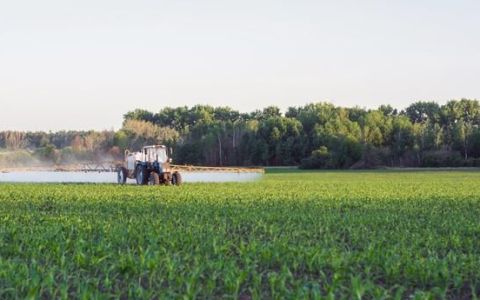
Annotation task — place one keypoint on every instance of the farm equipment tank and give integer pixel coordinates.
(149, 166)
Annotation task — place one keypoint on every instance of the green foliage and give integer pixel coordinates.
(320, 159)
(49, 152)
(293, 235)
(18, 158)
(441, 158)
(139, 114)
(120, 139)
(355, 137)
(422, 111)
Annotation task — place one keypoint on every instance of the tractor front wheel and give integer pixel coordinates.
(141, 175)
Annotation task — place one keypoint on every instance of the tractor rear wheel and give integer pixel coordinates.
(154, 179)
(122, 175)
(176, 178)
(141, 175)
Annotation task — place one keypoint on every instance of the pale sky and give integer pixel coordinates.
(83, 64)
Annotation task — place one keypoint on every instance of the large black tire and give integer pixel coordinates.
(122, 175)
(141, 175)
(177, 179)
(154, 179)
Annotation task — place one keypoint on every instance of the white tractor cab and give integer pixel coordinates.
(149, 166)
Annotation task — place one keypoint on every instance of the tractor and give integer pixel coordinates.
(149, 166)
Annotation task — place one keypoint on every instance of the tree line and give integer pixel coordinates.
(316, 135)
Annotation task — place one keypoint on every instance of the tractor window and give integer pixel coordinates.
(162, 155)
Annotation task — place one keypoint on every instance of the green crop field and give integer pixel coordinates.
(291, 235)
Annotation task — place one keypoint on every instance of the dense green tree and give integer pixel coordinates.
(388, 110)
(421, 111)
(140, 114)
(314, 135)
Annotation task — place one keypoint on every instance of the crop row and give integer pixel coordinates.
(290, 235)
